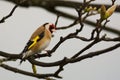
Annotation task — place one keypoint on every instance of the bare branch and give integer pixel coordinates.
(40, 76)
(9, 15)
(57, 20)
(84, 49)
(96, 53)
(113, 2)
(111, 39)
(51, 5)
(9, 55)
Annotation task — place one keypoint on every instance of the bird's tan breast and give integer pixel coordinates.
(44, 44)
(45, 41)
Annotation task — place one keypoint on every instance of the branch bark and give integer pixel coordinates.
(9, 15)
(40, 76)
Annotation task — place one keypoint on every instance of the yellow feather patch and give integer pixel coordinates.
(34, 42)
(34, 69)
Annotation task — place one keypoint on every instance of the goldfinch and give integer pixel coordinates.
(39, 40)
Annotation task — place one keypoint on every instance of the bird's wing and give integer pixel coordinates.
(37, 32)
(33, 41)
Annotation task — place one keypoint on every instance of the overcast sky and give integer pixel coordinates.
(16, 31)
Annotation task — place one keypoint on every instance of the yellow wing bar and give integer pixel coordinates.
(34, 42)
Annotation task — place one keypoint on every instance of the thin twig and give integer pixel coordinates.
(113, 2)
(57, 20)
(51, 5)
(9, 15)
(40, 76)
(96, 53)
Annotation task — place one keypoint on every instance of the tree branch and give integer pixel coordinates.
(40, 76)
(51, 5)
(9, 55)
(9, 15)
(96, 53)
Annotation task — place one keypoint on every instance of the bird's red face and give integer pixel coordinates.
(49, 26)
(52, 28)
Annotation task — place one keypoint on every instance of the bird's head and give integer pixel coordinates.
(50, 26)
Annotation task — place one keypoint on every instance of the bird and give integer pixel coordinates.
(38, 41)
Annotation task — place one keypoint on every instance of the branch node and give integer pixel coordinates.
(58, 76)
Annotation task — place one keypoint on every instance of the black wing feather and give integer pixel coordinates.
(41, 36)
(27, 46)
(30, 42)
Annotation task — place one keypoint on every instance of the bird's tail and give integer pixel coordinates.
(25, 55)
(22, 58)
(22, 61)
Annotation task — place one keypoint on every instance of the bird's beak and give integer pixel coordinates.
(53, 30)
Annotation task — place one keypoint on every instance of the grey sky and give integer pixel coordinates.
(16, 31)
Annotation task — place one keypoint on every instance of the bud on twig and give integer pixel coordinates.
(110, 11)
(104, 14)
